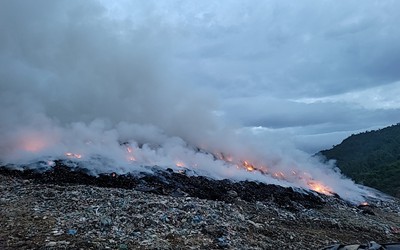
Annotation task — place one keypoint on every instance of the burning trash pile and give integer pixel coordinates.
(131, 108)
(171, 154)
(172, 167)
(175, 184)
(89, 98)
(101, 152)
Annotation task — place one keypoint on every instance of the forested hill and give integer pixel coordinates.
(371, 158)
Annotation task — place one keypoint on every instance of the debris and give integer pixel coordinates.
(72, 231)
(223, 242)
(114, 218)
(123, 247)
(197, 219)
(51, 244)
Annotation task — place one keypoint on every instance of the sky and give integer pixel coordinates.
(313, 72)
(318, 71)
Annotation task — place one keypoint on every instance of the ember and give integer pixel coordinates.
(312, 184)
(180, 164)
(202, 160)
(279, 175)
(248, 166)
(130, 156)
(72, 155)
(320, 188)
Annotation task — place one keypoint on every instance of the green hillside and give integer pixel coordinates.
(371, 158)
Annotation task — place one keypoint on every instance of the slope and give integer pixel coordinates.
(371, 158)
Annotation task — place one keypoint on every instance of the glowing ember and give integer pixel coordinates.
(180, 164)
(130, 156)
(279, 175)
(248, 166)
(312, 184)
(319, 187)
(72, 155)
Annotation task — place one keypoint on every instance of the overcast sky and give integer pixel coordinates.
(317, 71)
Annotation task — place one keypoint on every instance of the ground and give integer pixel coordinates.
(48, 216)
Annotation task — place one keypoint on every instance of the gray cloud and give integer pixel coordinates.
(264, 55)
(291, 49)
(254, 57)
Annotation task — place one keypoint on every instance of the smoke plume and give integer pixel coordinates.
(77, 83)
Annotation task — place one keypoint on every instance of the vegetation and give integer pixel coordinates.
(371, 158)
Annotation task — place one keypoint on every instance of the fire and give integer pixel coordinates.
(319, 187)
(130, 156)
(248, 166)
(312, 184)
(180, 164)
(279, 175)
(72, 155)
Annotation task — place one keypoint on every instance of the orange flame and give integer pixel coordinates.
(319, 187)
(312, 184)
(249, 167)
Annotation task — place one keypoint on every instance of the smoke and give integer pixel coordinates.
(75, 80)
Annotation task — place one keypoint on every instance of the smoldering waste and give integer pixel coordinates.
(70, 209)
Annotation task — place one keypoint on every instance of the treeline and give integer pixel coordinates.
(371, 158)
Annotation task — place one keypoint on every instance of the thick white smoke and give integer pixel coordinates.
(74, 80)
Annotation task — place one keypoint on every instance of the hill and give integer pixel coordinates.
(371, 158)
